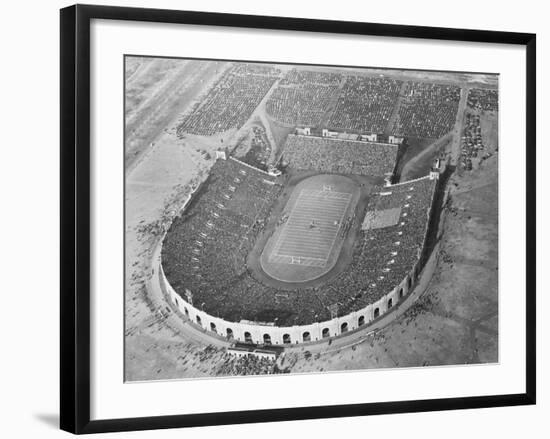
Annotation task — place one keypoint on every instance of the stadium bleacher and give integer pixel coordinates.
(365, 104)
(301, 105)
(339, 156)
(427, 111)
(205, 250)
(231, 101)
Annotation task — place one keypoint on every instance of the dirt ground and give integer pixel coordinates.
(455, 321)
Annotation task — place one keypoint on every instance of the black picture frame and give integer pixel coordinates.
(75, 217)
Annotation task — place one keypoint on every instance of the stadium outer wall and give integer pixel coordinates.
(302, 334)
(294, 334)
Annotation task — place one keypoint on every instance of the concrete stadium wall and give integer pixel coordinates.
(336, 327)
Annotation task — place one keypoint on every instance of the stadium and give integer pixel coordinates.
(326, 247)
(287, 218)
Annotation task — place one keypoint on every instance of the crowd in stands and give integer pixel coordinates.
(339, 156)
(255, 69)
(483, 99)
(260, 150)
(340, 102)
(427, 110)
(206, 248)
(301, 104)
(302, 97)
(231, 100)
(384, 256)
(216, 229)
(247, 365)
(365, 104)
(303, 77)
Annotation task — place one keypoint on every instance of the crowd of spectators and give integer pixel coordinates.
(260, 150)
(302, 97)
(301, 104)
(247, 365)
(384, 256)
(206, 249)
(231, 100)
(255, 69)
(224, 215)
(427, 110)
(483, 99)
(303, 77)
(339, 156)
(365, 104)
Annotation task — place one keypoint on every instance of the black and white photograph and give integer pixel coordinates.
(300, 218)
(275, 220)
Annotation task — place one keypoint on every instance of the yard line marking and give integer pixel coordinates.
(321, 207)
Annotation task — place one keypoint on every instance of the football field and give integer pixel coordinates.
(309, 234)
